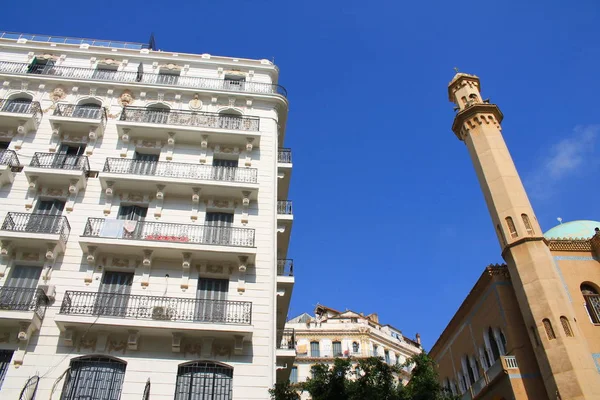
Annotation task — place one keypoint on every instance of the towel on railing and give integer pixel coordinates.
(112, 228)
(129, 225)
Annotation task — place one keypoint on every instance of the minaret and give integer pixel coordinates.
(565, 362)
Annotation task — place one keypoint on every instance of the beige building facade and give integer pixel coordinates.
(529, 328)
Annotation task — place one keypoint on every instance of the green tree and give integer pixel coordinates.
(424, 381)
(284, 391)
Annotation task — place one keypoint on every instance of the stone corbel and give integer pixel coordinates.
(249, 103)
(25, 331)
(125, 139)
(5, 251)
(238, 344)
(243, 266)
(93, 137)
(20, 136)
(91, 259)
(176, 339)
(249, 146)
(185, 266)
(146, 265)
(160, 198)
(206, 345)
(245, 204)
(73, 191)
(195, 203)
(154, 65)
(203, 149)
(55, 138)
(31, 192)
(51, 253)
(108, 197)
(170, 145)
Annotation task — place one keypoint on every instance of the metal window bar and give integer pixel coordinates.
(146, 394)
(284, 156)
(190, 118)
(37, 223)
(94, 378)
(511, 362)
(73, 40)
(158, 308)
(146, 78)
(60, 161)
(9, 157)
(180, 170)
(592, 302)
(22, 299)
(81, 111)
(204, 380)
(19, 106)
(285, 267)
(284, 207)
(286, 339)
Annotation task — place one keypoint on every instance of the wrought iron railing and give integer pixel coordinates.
(286, 339)
(9, 157)
(37, 223)
(284, 207)
(160, 308)
(189, 118)
(60, 161)
(22, 299)
(180, 170)
(19, 106)
(284, 156)
(149, 78)
(169, 232)
(592, 302)
(81, 111)
(285, 267)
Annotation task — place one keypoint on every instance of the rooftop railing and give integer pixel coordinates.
(73, 40)
(37, 223)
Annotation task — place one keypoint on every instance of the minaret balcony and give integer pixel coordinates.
(35, 230)
(284, 172)
(19, 116)
(58, 169)
(79, 119)
(285, 286)
(285, 353)
(9, 164)
(285, 218)
(178, 178)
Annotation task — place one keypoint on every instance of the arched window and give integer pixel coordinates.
(94, 378)
(20, 103)
(475, 367)
(549, 330)
(485, 360)
(230, 119)
(468, 368)
(511, 227)
(157, 114)
(203, 380)
(501, 341)
(527, 224)
(592, 302)
(493, 344)
(88, 109)
(566, 326)
(355, 347)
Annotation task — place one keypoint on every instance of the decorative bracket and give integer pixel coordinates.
(51, 250)
(108, 197)
(195, 203)
(93, 137)
(203, 147)
(147, 265)
(73, 191)
(249, 146)
(21, 133)
(5, 251)
(245, 204)
(55, 138)
(125, 139)
(160, 197)
(185, 265)
(91, 259)
(242, 274)
(31, 192)
(170, 145)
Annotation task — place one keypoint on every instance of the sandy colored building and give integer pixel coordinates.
(530, 328)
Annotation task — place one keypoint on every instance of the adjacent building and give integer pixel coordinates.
(145, 222)
(530, 328)
(331, 334)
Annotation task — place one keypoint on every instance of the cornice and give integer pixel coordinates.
(473, 111)
(366, 334)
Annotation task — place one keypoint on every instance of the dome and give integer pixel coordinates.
(573, 230)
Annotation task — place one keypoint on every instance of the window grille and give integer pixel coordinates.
(527, 224)
(511, 227)
(94, 378)
(203, 380)
(566, 326)
(549, 329)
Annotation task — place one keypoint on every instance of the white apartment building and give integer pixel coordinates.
(331, 334)
(144, 222)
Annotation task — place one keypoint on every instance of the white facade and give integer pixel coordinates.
(332, 334)
(206, 134)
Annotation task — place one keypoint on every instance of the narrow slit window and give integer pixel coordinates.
(549, 330)
(566, 326)
(511, 227)
(527, 224)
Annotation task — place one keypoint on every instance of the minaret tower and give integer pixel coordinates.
(566, 363)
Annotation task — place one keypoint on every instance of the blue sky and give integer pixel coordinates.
(389, 217)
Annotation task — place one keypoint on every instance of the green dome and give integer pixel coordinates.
(573, 230)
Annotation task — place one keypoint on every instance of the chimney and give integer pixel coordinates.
(418, 338)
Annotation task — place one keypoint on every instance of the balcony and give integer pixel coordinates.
(20, 305)
(20, 115)
(193, 82)
(32, 230)
(507, 364)
(9, 164)
(154, 315)
(285, 267)
(178, 178)
(57, 169)
(285, 218)
(285, 287)
(84, 119)
(167, 240)
(284, 172)
(285, 353)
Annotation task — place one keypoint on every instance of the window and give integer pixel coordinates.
(224, 170)
(215, 291)
(386, 355)
(143, 163)
(21, 105)
(493, 345)
(314, 349)
(167, 78)
(47, 217)
(294, 375)
(105, 73)
(234, 82)
(157, 114)
(549, 330)
(485, 361)
(69, 157)
(203, 380)
(375, 351)
(511, 227)
(468, 371)
(527, 224)
(87, 110)
(94, 378)
(355, 347)
(113, 294)
(566, 326)
(592, 302)
(135, 213)
(217, 228)
(40, 66)
(337, 349)
(20, 290)
(354, 320)
(5, 357)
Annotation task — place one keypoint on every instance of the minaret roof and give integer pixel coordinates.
(457, 77)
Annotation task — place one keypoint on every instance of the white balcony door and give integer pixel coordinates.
(46, 217)
(113, 294)
(209, 290)
(19, 289)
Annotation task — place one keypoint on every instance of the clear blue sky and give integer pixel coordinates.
(389, 217)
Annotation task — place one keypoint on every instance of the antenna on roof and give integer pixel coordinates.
(152, 42)
(559, 219)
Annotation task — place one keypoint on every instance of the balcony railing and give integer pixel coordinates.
(489, 376)
(72, 40)
(81, 111)
(116, 305)
(9, 157)
(180, 170)
(286, 339)
(60, 161)
(18, 106)
(22, 299)
(140, 77)
(189, 118)
(284, 156)
(169, 232)
(284, 207)
(285, 267)
(37, 223)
